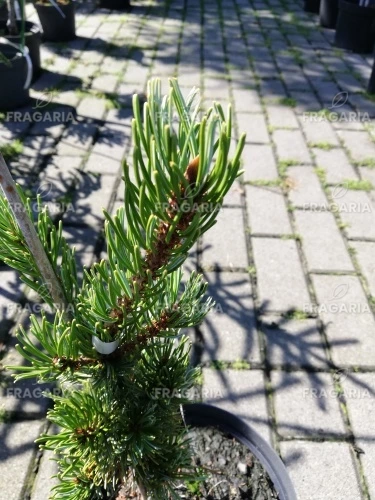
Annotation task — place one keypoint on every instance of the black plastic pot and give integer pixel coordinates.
(203, 415)
(311, 6)
(12, 79)
(33, 39)
(3, 15)
(355, 29)
(115, 4)
(328, 13)
(57, 28)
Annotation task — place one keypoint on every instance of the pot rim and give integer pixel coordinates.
(354, 8)
(41, 5)
(204, 415)
(32, 29)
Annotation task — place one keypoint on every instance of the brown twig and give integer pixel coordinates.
(142, 490)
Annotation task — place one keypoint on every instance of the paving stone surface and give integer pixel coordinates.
(16, 456)
(305, 190)
(23, 399)
(43, 482)
(358, 144)
(299, 394)
(359, 390)
(293, 343)
(93, 194)
(321, 471)
(317, 135)
(291, 146)
(335, 163)
(281, 117)
(356, 210)
(290, 261)
(240, 392)
(254, 126)
(224, 246)
(322, 242)
(281, 283)
(267, 211)
(364, 252)
(349, 322)
(259, 162)
(229, 331)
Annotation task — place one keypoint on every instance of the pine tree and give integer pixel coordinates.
(114, 343)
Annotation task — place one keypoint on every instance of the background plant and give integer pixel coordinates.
(120, 412)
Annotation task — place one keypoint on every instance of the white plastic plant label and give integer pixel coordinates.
(104, 347)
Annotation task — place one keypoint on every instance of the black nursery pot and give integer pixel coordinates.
(311, 6)
(355, 29)
(203, 415)
(12, 79)
(33, 39)
(56, 28)
(3, 15)
(115, 4)
(329, 11)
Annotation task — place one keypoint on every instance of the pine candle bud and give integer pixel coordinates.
(191, 171)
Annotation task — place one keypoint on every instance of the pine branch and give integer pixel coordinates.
(31, 238)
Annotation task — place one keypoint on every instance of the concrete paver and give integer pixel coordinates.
(16, 456)
(241, 392)
(258, 162)
(229, 331)
(267, 211)
(305, 190)
(322, 242)
(281, 283)
(293, 342)
(349, 322)
(291, 146)
(224, 245)
(299, 394)
(321, 471)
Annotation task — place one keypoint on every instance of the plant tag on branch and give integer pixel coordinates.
(104, 347)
